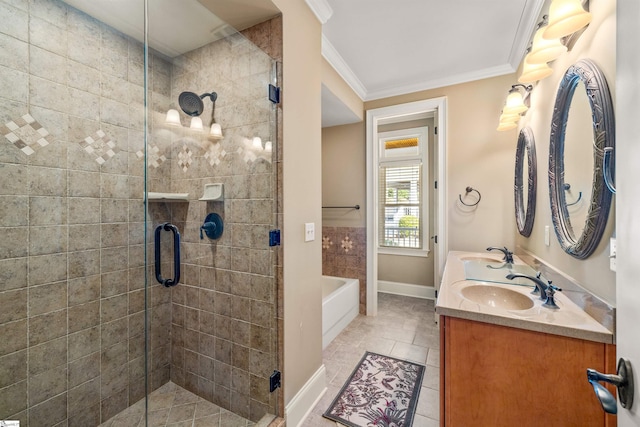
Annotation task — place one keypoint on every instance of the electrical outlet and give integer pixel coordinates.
(309, 232)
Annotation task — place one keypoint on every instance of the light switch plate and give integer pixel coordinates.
(546, 235)
(309, 231)
(613, 252)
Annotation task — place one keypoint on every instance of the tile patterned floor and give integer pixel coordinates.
(173, 406)
(404, 328)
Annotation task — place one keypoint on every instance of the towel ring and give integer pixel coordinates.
(467, 191)
(567, 187)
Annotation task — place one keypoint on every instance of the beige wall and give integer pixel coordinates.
(344, 175)
(301, 194)
(597, 43)
(332, 81)
(477, 156)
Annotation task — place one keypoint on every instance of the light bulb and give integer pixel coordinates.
(173, 118)
(216, 130)
(515, 104)
(544, 50)
(268, 146)
(196, 123)
(506, 126)
(565, 17)
(257, 143)
(531, 73)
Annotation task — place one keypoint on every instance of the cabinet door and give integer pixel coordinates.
(501, 376)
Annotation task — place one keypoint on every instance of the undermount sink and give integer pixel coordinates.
(498, 297)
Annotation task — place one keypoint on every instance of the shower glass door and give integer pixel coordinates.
(90, 168)
(210, 150)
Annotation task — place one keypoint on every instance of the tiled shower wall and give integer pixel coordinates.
(71, 214)
(344, 254)
(223, 331)
(72, 259)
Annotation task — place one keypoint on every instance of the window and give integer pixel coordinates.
(402, 209)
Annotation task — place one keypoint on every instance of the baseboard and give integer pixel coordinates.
(299, 408)
(406, 289)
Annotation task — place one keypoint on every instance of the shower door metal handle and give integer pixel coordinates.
(176, 255)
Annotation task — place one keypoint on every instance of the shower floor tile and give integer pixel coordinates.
(173, 406)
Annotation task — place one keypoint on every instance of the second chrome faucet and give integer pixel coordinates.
(508, 255)
(545, 290)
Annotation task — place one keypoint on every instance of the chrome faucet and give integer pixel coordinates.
(508, 255)
(546, 290)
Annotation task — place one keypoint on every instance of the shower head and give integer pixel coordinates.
(191, 103)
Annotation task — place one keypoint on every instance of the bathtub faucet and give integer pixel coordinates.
(508, 255)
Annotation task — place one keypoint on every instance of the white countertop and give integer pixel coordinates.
(569, 320)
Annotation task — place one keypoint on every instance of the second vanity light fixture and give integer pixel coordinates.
(192, 105)
(553, 35)
(516, 105)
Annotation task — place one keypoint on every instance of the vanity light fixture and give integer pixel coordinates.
(544, 50)
(531, 73)
(514, 107)
(506, 126)
(508, 121)
(565, 18)
(515, 101)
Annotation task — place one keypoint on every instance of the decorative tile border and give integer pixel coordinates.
(185, 158)
(155, 158)
(326, 242)
(27, 134)
(100, 146)
(215, 154)
(347, 244)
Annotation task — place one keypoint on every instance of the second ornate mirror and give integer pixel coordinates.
(525, 182)
(580, 205)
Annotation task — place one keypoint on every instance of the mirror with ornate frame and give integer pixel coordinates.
(581, 244)
(525, 180)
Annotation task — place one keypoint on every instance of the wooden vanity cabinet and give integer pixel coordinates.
(492, 376)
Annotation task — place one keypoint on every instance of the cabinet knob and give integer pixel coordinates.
(623, 382)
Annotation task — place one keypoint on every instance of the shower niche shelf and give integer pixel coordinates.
(167, 197)
(213, 193)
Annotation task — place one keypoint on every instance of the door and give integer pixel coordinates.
(628, 195)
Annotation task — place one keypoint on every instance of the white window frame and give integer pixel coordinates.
(422, 133)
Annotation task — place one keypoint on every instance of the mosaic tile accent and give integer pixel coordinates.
(326, 242)
(347, 244)
(215, 154)
(185, 158)
(100, 146)
(155, 158)
(26, 134)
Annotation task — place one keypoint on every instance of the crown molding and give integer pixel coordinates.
(333, 57)
(321, 9)
(439, 83)
(526, 27)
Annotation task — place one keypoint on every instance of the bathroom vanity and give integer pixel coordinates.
(505, 360)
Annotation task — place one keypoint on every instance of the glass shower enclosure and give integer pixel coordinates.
(137, 161)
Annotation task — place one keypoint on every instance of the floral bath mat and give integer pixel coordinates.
(382, 391)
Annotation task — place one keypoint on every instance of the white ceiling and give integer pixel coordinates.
(384, 48)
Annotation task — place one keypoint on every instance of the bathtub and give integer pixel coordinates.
(340, 305)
